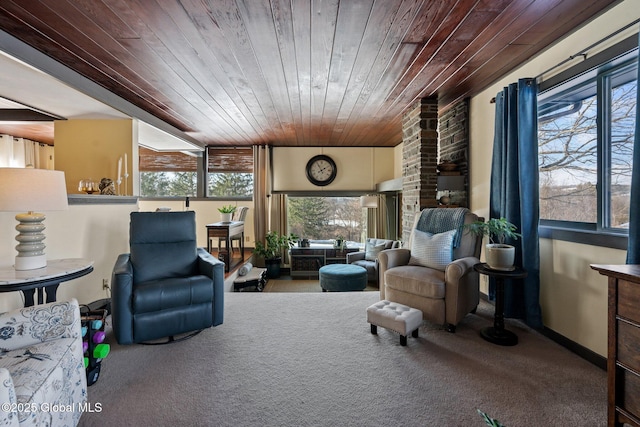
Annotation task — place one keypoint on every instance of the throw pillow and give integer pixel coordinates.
(372, 251)
(432, 250)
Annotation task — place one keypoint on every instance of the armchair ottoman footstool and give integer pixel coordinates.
(342, 278)
(396, 317)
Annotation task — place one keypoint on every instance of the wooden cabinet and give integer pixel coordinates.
(623, 359)
(307, 261)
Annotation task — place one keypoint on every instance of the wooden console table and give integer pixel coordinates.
(49, 277)
(623, 348)
(226, 230)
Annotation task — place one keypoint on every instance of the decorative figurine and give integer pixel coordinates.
(106, 187)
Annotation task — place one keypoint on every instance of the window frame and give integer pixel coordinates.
(599, 68)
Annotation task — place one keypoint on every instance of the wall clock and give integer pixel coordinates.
(321, 170)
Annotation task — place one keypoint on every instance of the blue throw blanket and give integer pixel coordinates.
(439, 220)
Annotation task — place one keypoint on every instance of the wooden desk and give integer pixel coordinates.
(49, 277)
(226, 230)
(623, 344)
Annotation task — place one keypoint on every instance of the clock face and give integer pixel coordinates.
(321, 170)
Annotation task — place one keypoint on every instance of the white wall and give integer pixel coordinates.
(573, 297)
(94, 232)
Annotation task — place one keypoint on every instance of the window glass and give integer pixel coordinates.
(322, 219)
(623, 112)
(167, 174)
(586, 135)
(567, 152)
(229, 172)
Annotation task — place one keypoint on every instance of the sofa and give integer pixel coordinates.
(434, 273)
(369, 257)
(42, 375)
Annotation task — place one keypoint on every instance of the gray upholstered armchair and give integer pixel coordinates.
(435, 273)
(166, 286)
(369, 257)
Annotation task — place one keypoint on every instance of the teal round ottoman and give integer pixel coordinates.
(343, 277)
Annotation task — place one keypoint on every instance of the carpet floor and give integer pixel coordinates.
(292, 285)
(309, 359)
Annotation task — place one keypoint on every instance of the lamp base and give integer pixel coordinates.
(30, 262)
(30, 247)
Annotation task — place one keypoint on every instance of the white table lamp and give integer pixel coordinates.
(30, 190)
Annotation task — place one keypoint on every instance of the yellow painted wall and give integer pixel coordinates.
(359, 168)
(90, 149)
(573, 297)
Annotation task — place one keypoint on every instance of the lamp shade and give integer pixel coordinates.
(30, 190)
(369, 201)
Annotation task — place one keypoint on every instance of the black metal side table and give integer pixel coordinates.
(498, 334)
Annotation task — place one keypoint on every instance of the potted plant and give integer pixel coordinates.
(226, 212)
(271, 251)
(499, 255)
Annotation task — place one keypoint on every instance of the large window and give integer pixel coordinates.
(322, 219)
(585, 134)
(230, 172)
(167, 174)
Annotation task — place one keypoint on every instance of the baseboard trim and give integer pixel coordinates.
(572, 346)
(585, 353)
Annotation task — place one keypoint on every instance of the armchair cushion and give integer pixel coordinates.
(432, 250)
(372, 250)
(162, 294)
(416, 280)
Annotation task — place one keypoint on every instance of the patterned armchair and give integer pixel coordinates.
(41, 366)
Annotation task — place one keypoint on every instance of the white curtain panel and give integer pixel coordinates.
(22, 152)
(6, 151)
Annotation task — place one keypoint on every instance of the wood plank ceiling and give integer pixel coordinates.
(292, 72)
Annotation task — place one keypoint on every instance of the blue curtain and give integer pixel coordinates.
(633, 244)
(514, 192)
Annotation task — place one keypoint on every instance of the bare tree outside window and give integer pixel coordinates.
(571, 128)
(325, 218)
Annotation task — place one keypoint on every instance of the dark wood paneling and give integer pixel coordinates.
(292, 72)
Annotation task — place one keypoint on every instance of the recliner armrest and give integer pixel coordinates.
(459, 268)
(213, 268)
(390, 258)
(121, 294)
(355, 256)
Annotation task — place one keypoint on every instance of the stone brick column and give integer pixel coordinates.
(454, 144)
(419, 160)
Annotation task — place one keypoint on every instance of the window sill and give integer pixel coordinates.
(586, 237)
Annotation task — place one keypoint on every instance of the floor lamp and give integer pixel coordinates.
(29, 190)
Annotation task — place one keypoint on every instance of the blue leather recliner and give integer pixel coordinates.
(166, 285)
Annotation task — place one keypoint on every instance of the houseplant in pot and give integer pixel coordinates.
(499, 255)
(271, 251)
(226, 212)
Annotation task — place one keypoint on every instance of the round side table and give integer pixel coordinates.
(498, 334)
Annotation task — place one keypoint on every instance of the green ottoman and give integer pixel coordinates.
(343, 277)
